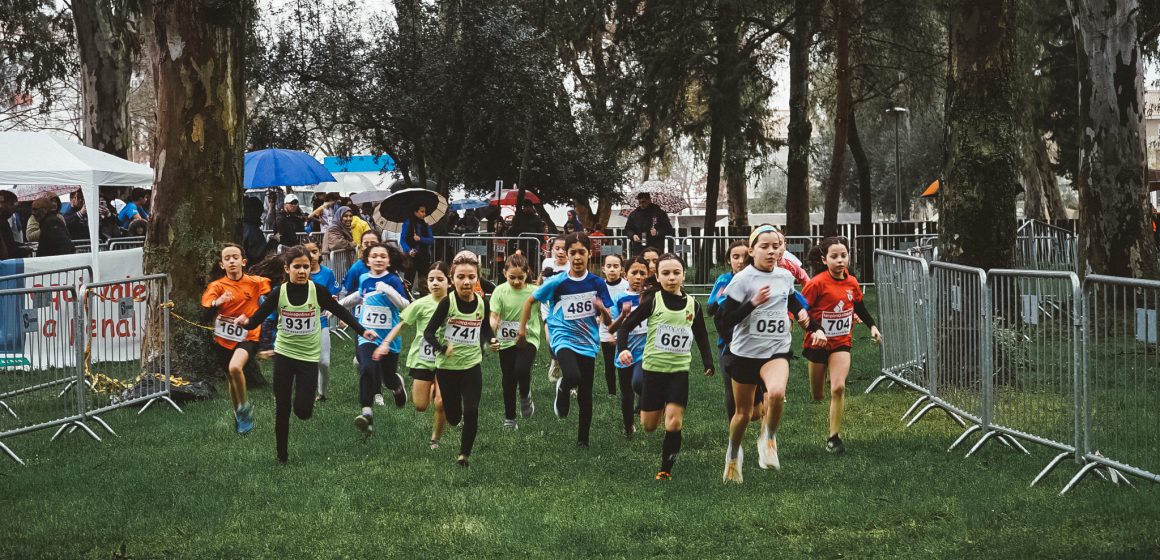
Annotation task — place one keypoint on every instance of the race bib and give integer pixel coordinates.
(225, 329)
(837, 324)
(675, 340)
(426, 352)
(376, 317)
(462, 331)
(508, 331)
(578, 306)
(298, 322)
(769, 324)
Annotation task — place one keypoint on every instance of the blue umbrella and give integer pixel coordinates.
(468, 204)
(275, 167)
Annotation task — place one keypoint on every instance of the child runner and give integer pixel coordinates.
(228, 297)
(381, 294)
(673, 324)
(322, 276)
(755, 311)
(421, 357)
(459, 330)
(576, 300)
(613, 269)
(651, 255)
(834, 297)
(359, 266)
(515, 361)
(298, 348)
(549, 268)
(631, 377)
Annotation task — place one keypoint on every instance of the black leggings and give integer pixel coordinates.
(630, 386)
(608, 350)
(578, 372)
(297, 378)
(515, 364)
(372, 374)
(462, 389)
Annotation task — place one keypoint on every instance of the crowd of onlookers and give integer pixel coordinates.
(46, 226)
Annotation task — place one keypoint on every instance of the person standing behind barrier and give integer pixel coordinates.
(578, 300)
(291, 221)
(135, 208)
(526, 221)
(459, 330)
(613, 268)
(630, 377)
(299, 304)
(674, 323)
(358, 226)
(54, 238)
(515, 361)
(755, 313)
(418, 243)
(834, 298)
(421, 357)
(648, 225)
(253, 239)
(227, 298)
(338, 236)
(8, 247)
(322, 276)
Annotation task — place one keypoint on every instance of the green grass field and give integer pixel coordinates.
(185, 486)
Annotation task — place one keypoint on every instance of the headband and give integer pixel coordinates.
(766, 228)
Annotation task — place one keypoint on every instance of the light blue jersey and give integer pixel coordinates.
(325, 277)
(377, 312)
(637, 336)
(572, 315)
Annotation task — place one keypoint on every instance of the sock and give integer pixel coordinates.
(367, 411)
(670, 449)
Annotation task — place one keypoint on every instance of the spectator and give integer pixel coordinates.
(325, 214)
(648, 225)
(526, 221)
(270, 211)
(468, 225)
(291, 222)
(8, 247)
(574, 221)
(54, 239)
(135, 209)
(338, 237)
(32, 229)
(77, 217)
(108, 227)
(253, 239)
(418, 242)
(357, 226)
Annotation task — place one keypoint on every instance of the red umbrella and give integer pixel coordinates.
(508, 198)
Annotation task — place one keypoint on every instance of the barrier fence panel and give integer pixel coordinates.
(40, 360)
(492, 251)
(1121, 422)
(126, 243)
(72, 276)
(960, 325)
(1042, 246)
(122, 314)
(1037, 347)
(903, 308)
(340, 262)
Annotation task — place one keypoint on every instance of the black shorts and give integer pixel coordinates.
(747, 371)
(224, 355)
(418, 374)
(822, 355)
(660, 389)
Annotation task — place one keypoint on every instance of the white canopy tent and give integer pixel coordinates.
(39, 158)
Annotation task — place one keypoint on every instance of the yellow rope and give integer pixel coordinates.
(102, 383)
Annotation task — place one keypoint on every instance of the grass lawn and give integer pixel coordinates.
(185, 486)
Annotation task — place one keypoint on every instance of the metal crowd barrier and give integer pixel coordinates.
(340, 262)
(903, 311)
(41, 349)
(492, 251)
(1042, 246)
(125, 243)
(71, 276)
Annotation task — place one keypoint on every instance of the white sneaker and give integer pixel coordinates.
(767, 453)
(379, 400)
(733, 468)
(554, 372)
(510, 425)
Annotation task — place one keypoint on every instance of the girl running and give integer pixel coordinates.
(458, 330)
(576, 300)
(738, 255)
(674, 322)
(298, 348)
(613, 268)
(322, 276)
(834, 297)
(227, 298)
(755, 311)
(421, 357)
(550, 267)
(515, 361)
(630, 377)
(381, 294)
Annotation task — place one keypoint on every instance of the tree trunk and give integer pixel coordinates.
(866, 224)
(724, 106)
(841, 118)
(1041, 199)
(736, 190)
(797, 200)
(985, 135)
(106, 42)
(1114, 221)
(198, 55)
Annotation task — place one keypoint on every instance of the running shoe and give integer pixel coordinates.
(433, 444)
(733, 468)
(581, 445)
(629, 431)
(563, 401)
(379, 400)
(767, 453)
(320, 399)
(834, 445)
(365, 424)
(462, 462)
(527, 407)
(554, 371)
(664, 475)
(244, 419)
(401, 393)
(510, 425)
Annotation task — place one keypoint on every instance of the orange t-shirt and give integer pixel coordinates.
(245, 291)
(832, 306)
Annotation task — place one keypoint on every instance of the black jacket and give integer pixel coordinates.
(641, 220)
(54, 238)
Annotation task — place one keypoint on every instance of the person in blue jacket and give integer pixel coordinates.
(418, 243)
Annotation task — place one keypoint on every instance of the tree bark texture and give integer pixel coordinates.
(724, 105)
(841, 117)
(1041, 198)
(797, 200)
(1114, 221)
(107, 39)
(736, 190)
(198, 57)
(985, 135)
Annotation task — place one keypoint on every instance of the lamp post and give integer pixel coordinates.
(897, 112)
